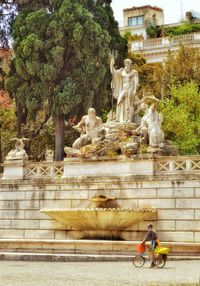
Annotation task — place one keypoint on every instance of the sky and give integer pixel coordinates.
(172, 8)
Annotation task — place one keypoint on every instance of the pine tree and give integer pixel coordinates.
(61, 58)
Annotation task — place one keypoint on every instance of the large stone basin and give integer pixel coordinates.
(115, 219)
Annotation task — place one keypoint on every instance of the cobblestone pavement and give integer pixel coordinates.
(97, 273)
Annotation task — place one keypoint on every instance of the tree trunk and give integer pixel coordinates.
(1, 155)
(19, 119)
(59, 138)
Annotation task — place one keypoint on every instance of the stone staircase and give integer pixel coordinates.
(85, 250)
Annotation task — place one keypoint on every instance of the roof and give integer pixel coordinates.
(143, 8)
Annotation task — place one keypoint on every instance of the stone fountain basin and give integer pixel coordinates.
(99, 218)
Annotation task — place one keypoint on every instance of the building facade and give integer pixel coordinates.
(136, 19)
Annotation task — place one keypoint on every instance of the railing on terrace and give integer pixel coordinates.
(85, 167)
(165, 42)
(44, 170)
(177, 165)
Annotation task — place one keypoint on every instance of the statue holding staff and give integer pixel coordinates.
(125, 83)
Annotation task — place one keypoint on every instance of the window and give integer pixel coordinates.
(135, 21)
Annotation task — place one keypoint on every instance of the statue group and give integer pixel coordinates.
(127, 132)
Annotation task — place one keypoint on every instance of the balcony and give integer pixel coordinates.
(165, 42)
(156, 49)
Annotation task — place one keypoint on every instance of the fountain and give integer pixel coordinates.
(103, 219)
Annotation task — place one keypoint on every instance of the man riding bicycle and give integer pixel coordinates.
(151, 241)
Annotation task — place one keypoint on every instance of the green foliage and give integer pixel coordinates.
(59, 57)
(182, 117)
(151, 31)
(182, 29)
(7, 130)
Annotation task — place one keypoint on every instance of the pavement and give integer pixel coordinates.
(29, 273)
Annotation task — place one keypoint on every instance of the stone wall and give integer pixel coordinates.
(176, 198)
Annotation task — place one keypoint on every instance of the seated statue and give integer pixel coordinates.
(18, 153)
(150, 127)
(88, 127)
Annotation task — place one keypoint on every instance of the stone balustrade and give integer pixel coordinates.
(44, 170)
(177, 165)
(165, 42)
(103, 166)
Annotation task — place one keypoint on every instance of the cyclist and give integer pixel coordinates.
(151, 241)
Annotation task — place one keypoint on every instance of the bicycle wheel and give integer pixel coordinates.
(138, 261)
(160, 261)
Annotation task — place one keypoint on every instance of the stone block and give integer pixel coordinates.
(30, 205)
(11, 233)
(157, 203)
(25, 224)
(80, 203)
(48, 204)
(176, 236)
(11, 214)
(175, 214)
(107, 168)
(159, 225)
(52, 224)
(130, 204)
(175, 192)
(197, 237)
(39, 234)
(197, 192)
(14, 170)
(188, 203)
(27, 187)
(5, 224)
(188, 225)
(5, 205)
(40, 195)
(12, 195)
(138, 193)
(77, 194)
(60, 234)
(35, 214)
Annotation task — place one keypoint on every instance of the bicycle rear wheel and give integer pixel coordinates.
(138, 261)
(160, 261)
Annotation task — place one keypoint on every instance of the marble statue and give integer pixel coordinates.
(18, 153)
(124, 84)
(150, 127)
(49, 155)
(88, 128)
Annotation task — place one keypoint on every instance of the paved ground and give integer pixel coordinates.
(14, 273)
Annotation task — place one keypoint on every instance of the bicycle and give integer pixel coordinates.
(160, 256)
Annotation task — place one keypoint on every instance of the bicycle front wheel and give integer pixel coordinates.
(138, 261)
(160, 261)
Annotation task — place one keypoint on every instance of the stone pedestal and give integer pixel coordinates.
(117, 166)
(14, 169)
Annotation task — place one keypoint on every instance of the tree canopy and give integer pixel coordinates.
(61, 59)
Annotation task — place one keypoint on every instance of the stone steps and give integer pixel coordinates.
(18, 256)
(89, 247)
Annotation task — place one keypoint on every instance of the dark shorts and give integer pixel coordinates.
(153, 245)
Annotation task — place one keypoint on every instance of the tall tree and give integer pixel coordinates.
(61, 57)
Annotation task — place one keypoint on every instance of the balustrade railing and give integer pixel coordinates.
(165, 41)
(177, 165)
(154, 166)
(44, 169)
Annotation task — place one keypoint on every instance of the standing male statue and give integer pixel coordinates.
(125, 83)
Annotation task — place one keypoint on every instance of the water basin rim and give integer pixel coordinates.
(99, 209)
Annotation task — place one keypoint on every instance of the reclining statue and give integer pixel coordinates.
(88, 128)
